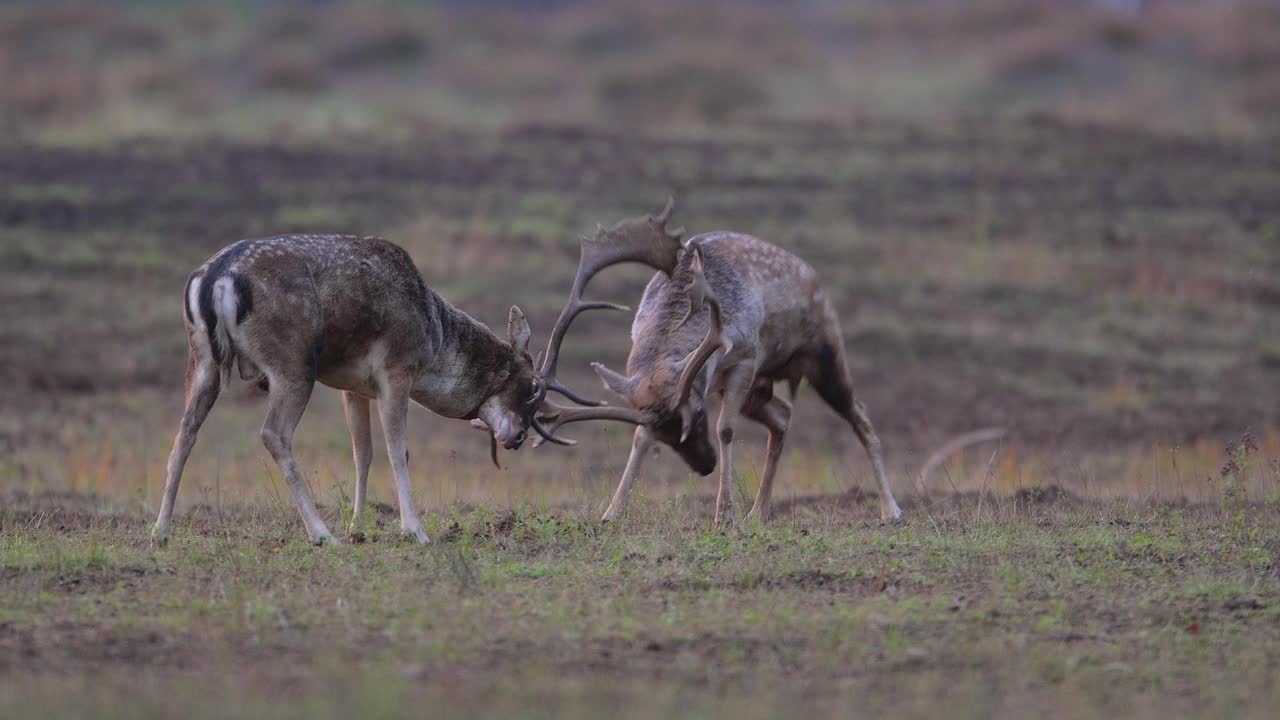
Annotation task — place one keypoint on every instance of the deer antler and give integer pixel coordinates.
(557, 415)
(700, 293)
(629, 241)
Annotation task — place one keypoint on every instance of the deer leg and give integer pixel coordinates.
(393, 411)
(736, 387)
(641, 443)
(286, 401)
(776, 416)
(203, 385)
(829, 375)
(356, 408)
(889, 509)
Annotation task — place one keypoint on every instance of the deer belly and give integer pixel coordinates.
(350, 379)
(362, 373)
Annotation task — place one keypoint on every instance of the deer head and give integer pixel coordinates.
(508, 413)
(659, 396)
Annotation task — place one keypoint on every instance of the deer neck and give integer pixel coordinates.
(469, 365)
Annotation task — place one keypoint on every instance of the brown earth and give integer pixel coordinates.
(1082, 286)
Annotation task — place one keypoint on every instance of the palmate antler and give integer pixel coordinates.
(700, 294)
(642, 240)
(629, 241)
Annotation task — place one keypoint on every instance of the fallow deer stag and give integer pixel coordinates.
(727, 315)
(355, 314)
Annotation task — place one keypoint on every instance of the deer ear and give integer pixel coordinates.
(615, 382)
(695, 262)
(698, 288)
(518, 331)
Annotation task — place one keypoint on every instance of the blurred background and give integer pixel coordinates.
(1059, 217)
(276, 69)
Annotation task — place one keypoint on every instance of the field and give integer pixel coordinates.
(1047, 604)
(1063, 224)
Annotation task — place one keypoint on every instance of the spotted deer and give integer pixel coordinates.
(727, 316)
(355, 314)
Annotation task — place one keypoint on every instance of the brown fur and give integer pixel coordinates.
(727, 316)
(355, 314)
(776, 324)
(780, 326)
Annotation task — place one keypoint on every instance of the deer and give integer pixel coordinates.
(355, 314)
(725, 317)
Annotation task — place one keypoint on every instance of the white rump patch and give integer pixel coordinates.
(193, 302)
(225, 302)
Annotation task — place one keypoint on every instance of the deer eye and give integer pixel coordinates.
(537, 393)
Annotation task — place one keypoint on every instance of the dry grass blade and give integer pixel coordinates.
(953, 446)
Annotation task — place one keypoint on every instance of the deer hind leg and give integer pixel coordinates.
(641, 443)
(203, 385)
(775, 414)
(737, 385)
(286, 401)
(356, 408)
(393, 411)
(829, 375)
(861, 423)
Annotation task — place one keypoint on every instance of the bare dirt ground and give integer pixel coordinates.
(1085, 286)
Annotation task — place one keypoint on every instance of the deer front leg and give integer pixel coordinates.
(393, 411)
(641, 443)
(776, 416)
(736, 386)
(356, 408)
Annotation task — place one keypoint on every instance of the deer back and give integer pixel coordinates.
(770, 300)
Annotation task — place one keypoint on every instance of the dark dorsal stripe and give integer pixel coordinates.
(244, 297)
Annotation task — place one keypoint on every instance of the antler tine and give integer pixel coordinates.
(694, 362)
(699, 293)
(590, 262)
(657, 250)
(556, 415)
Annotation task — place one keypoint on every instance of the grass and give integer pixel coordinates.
(1086, 607)
(1068, 233)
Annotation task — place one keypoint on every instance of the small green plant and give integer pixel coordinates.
(710, 549)
(345, 504)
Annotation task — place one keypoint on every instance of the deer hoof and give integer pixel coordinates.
(416, 536)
